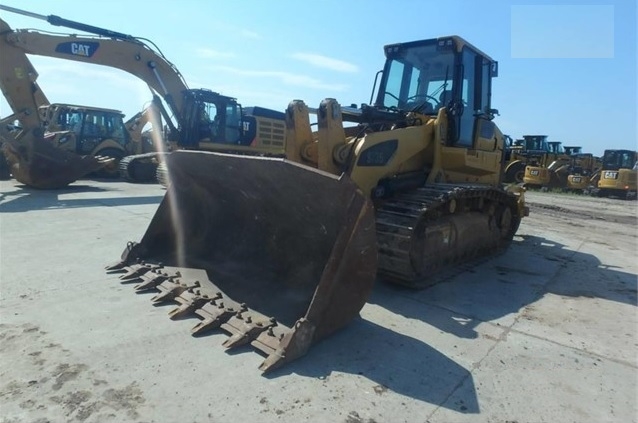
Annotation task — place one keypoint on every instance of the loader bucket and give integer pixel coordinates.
(40, 164)
(277, 254)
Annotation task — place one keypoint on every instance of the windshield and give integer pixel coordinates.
(556, 147)
(536, 142)
(420, 77)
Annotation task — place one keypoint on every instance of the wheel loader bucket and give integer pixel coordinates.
(277, 254)
(40, 164)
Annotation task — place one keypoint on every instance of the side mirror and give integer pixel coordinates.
(494, 70)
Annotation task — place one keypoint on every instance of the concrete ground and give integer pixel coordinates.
(546, 332)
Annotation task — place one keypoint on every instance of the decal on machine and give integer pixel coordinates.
(19, 72)
(84, 49)
(609, 174)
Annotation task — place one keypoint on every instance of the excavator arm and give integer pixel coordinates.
(34, 160)
(107, 48)
(196, 118)
(31, 158)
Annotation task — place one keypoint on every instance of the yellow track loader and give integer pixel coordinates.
(280, 253)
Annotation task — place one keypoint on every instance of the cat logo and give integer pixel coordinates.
(84, 49)
(80, 49)
(609, 174)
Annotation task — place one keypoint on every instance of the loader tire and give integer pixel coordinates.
(515, 173)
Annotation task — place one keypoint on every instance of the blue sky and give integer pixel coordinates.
(567, 69)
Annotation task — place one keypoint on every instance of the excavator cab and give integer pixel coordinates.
(213, 122)
(619, 174)
(209, 117)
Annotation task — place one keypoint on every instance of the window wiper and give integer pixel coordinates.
(439, 90)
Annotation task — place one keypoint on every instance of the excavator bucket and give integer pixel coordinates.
(276, 254)
(38, 163)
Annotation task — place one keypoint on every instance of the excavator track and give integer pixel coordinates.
(426, 230)
(140, 168)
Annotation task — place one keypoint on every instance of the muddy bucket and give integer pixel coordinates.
(277, 254)
(39, 164)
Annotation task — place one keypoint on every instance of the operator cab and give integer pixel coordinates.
(536, 143)
(571, 150)
(619, 159)
(556, 147)
(210, 117)
(424, 76)
(91, 126)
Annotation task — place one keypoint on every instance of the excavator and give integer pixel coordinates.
(197, 119)
(279, 253)
(83, 130)
(619, 174)
(582, 171)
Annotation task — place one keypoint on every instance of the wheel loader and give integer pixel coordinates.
(280, 253)
(530, 149)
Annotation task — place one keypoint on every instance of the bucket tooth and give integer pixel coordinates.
(269, 340)
(150, 282)
(168, 290)
(245, 327)
(130, 257)
(134, 272)
(293, 345)
(214, 313)
(189, 302)
(116, 267)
